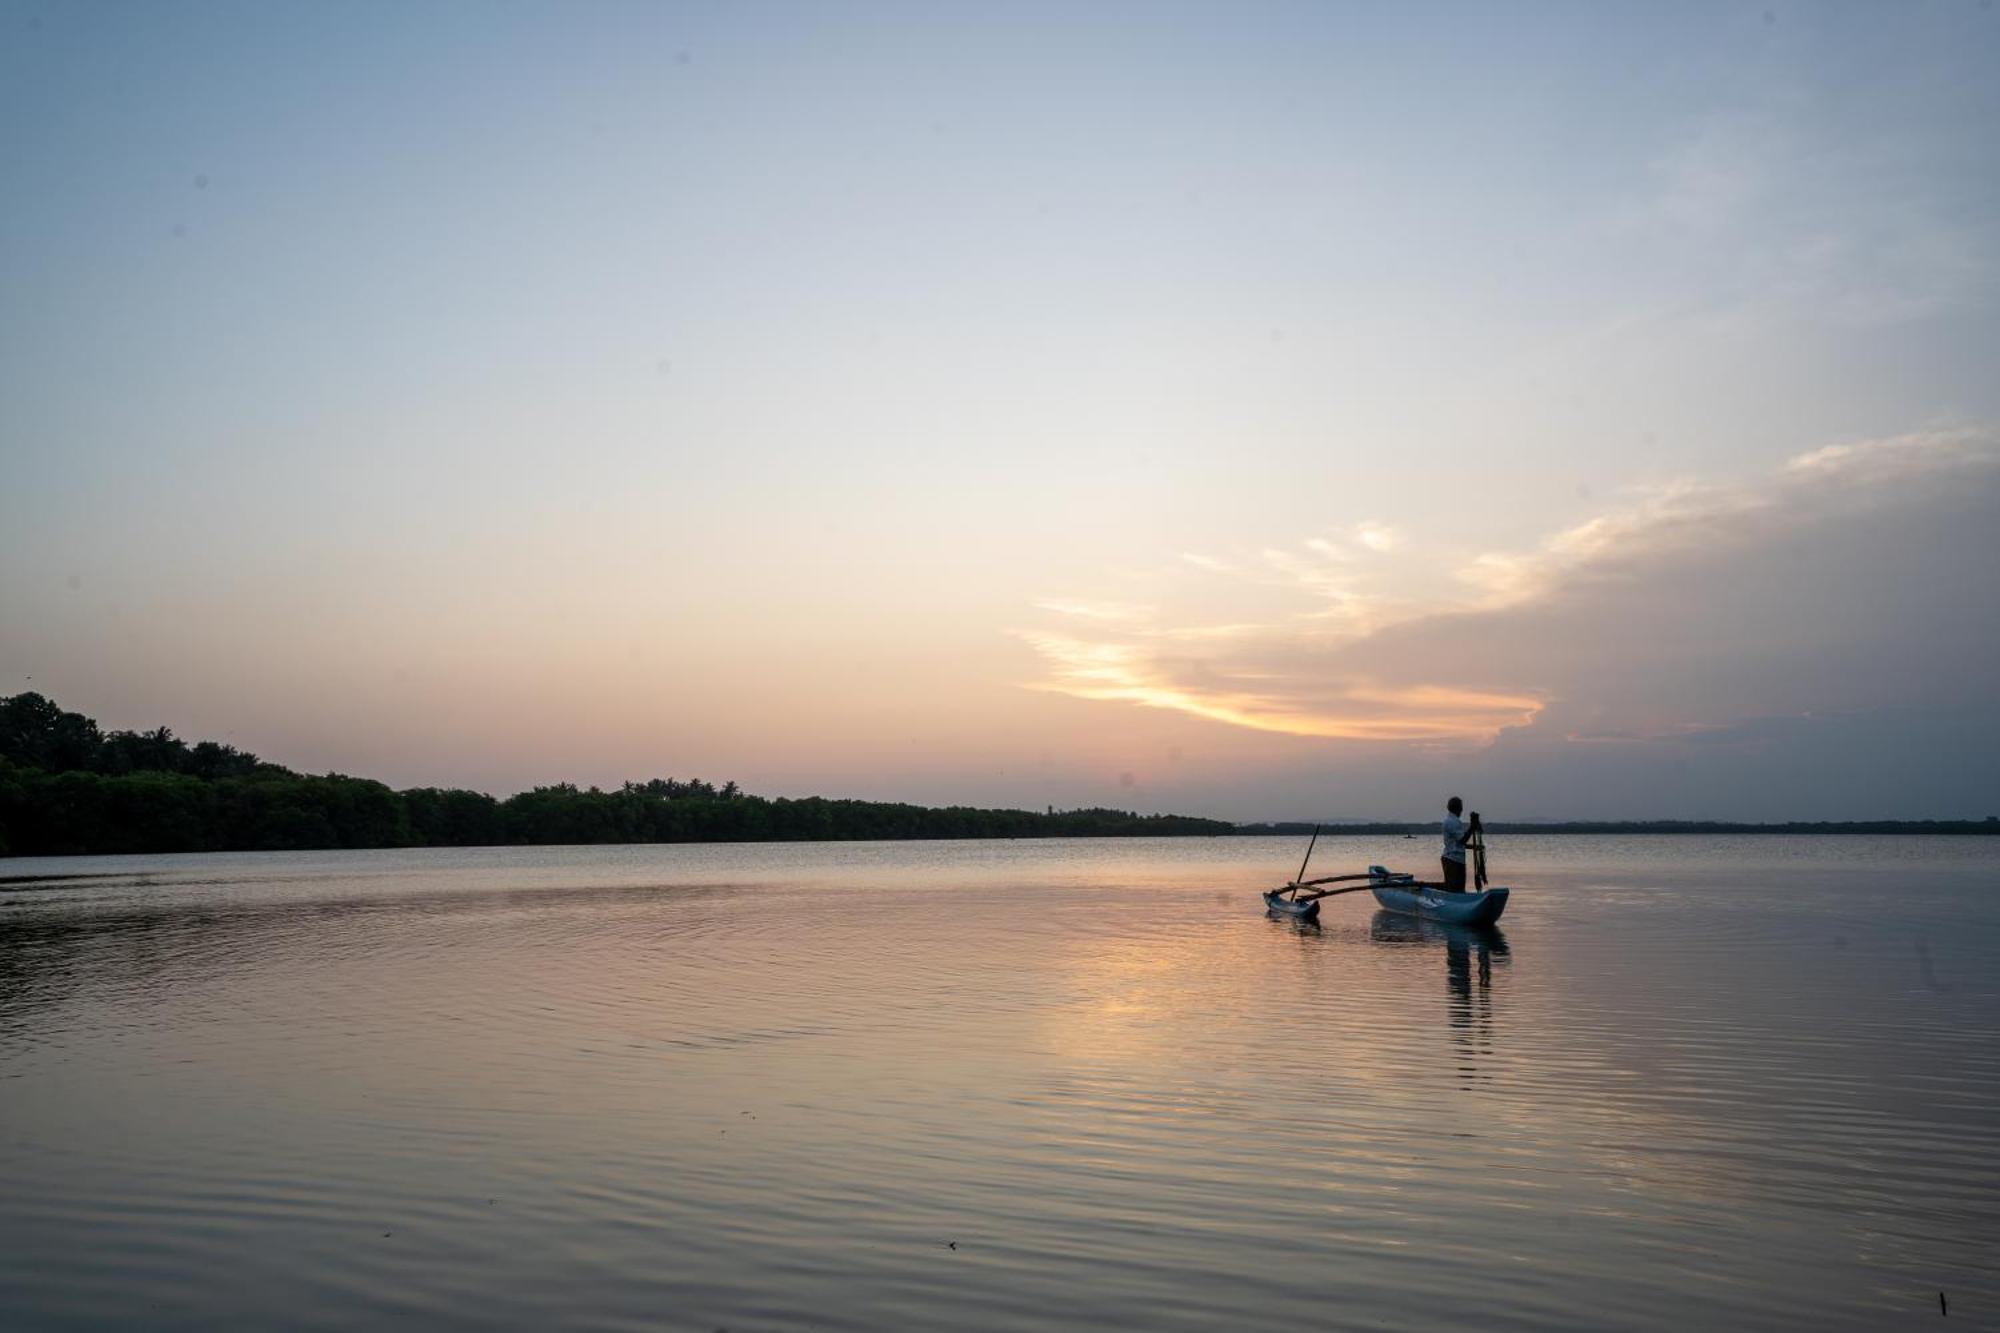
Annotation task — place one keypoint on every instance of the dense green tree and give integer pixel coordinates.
(66, 786)
(36, 734)
(453, 818)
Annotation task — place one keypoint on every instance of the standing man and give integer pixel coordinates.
(1455, 831)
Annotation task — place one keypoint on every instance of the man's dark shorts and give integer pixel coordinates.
(1454, 875)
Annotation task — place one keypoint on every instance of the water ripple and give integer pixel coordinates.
(773, 1088)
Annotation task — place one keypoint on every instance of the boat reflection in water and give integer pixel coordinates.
(1469, 955)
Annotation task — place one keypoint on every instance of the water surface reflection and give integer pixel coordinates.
(538, 1087)
(1469, 955)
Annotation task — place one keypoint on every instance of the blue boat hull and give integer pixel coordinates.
(1434, 904)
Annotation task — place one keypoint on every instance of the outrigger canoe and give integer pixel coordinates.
(1396, 893)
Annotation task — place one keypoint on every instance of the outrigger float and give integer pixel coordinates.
(1395, 892)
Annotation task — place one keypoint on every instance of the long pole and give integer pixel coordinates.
(1309, 855)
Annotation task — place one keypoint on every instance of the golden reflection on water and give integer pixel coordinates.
(1401, 1014)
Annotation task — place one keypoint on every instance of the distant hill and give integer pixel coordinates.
(68, 787)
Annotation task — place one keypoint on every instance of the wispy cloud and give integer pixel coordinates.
(1354, 708)
(1111, 612)
(1840, 229)
(1342, 658)
(1379, 537)
(1689, 514)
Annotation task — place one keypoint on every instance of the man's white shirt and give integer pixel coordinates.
(1454, 838)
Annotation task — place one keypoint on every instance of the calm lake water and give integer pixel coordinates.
(1732, 1082)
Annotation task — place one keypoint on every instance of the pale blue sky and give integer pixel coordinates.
(500, 393)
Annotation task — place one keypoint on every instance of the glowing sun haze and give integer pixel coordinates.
(1260, 411)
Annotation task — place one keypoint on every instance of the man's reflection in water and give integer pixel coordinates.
(1470, 1007)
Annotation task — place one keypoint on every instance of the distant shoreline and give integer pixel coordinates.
(69, 788)
(1989, 826)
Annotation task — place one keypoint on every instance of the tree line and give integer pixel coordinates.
(69, 787)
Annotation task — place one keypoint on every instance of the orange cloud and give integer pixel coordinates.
(1348, 709)
(1339, 655)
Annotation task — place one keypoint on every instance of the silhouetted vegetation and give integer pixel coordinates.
(67, 787)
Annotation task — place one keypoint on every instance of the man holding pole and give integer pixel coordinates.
(1456, 831)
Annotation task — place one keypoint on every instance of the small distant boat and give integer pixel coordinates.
(1402, 893)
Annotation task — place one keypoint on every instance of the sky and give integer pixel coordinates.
(1258, 411)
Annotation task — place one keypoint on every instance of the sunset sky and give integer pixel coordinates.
(1254, 411)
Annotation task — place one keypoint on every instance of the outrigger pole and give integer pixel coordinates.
(1300, 877)
(1297, 888)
